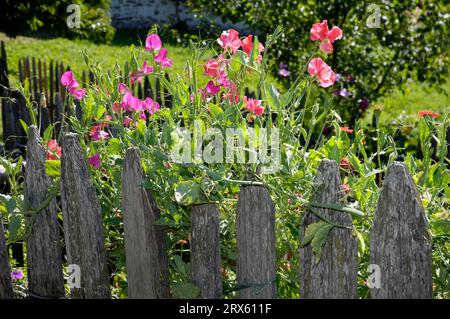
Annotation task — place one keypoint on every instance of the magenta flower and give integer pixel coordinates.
(17, 275)
(320, 31)
(230, 40)
(126, 121)
(146, 69)
(68, 80)
(94, 161)
(153, 43)
(162, 59)
(150, 106)
(122, 88)
(131, 103)
(212, 89)
(223, 80)
(317, 67)
(98, 134)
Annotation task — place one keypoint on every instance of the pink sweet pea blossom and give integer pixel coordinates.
(230, 40)
(94, 161)
(317, 67)
(253, 106)
(153, 43)
(122, 88)
(320, 31)
(54, 150)
(77, 93)
(232, 94)
(68, 80)
(130, 103)
(223, 80)
(150, 106)
(211, 68)
(247, 47)
(212, 89)
(126, 121)
(98, 134)
(162, 59)
(146, 69)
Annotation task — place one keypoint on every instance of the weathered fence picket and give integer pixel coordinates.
(400, 243)
(334, 275)
(256, 264)
(44, 266)
(205, 250)
(145, 248)
(6, 290)
(83, 222)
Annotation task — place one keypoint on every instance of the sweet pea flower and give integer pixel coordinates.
(98, 134)
(211, 68)
(54, 150)
(130, 103)
(428, 113)
(232, 94)
(317, 67)
(146, 69)
(153, 43)
(126, 121)
(94, 161)
(223, 80)
(346, 129)
(247, 47)
(230, 40)
(150, 106)
(17, 275)
(253, 106)
(68, 80)
(77, 93)
(122, 88)
(212, 89)
(320, 31)
(162, 59)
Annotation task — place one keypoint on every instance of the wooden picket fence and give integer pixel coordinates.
(400, 243)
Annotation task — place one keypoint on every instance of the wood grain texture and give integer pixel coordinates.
(6, 290)
(83, 222)
(205, 250)
(44, 266)
(335, 275)
(255, 220)
(399, 239)
(145, 248)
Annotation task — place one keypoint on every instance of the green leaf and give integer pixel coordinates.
(9, 203)
(24, 125)
(52, 168)
(185, 290)
(189, 193)
(15, 221)
(311, 231)
(319, 240)
(48, 133)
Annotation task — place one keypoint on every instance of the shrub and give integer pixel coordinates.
(410, 42)
(51, 16)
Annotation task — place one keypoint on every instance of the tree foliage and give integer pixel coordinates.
(410, 41)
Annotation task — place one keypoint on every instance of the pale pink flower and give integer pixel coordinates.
(253, 106)
(320, 32)
(317, 67)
